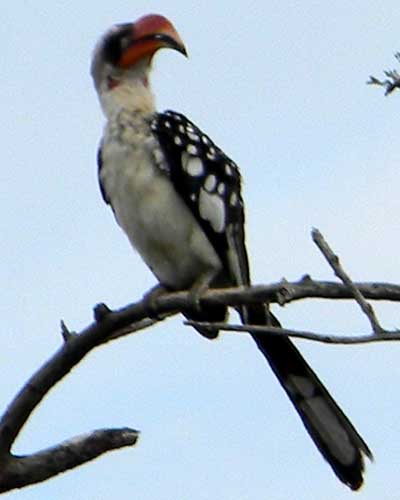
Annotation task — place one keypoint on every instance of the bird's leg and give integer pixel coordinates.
(196, 312)
(200, 287)
(150, 300)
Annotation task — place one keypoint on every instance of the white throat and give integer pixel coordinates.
(130, 95)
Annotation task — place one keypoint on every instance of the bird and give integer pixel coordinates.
(177, 196)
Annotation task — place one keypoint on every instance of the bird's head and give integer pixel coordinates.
(122, 57)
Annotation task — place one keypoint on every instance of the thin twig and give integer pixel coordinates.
(334, 262)
(392, 81)
(300, 334)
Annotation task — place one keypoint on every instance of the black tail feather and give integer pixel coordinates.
(330, 429)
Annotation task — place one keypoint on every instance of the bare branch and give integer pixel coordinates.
(334, 262)
(385, 335)
(20, 471)
(138, 326)
(75, 347)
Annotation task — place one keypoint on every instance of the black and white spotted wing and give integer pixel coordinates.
(210, 184)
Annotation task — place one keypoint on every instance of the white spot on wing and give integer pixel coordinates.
(178, 140)
(194, 165)
(185, 160)
(234, 199)
(193, 137)
(221, 188)
(210, 183)
(212, 209)
(228, 169)
(192, 149)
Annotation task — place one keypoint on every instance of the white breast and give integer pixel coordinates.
(156, 220)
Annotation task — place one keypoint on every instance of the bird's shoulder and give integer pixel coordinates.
(203, 174)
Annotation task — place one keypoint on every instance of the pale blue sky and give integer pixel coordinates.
(280, 86)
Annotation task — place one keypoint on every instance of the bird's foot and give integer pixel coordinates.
(198, 289)
(195, 310)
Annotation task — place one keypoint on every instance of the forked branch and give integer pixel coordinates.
(20, 471)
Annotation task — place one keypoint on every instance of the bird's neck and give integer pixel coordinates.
(135, 96)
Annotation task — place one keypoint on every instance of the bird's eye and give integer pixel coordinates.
(118, 40)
